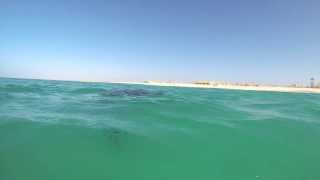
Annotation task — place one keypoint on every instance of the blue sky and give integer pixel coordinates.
(270, 41)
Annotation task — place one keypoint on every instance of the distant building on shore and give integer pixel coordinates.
(312, 82)
(296, 86)
(219, 83)
(202, 82)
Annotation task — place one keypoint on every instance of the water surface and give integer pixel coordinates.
(71, 130)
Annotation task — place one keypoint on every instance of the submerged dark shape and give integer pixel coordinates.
(133, 92)
(114, 135)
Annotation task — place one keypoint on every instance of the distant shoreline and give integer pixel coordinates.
(232, 87)
(266, 88)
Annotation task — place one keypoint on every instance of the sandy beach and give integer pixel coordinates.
(230, 86)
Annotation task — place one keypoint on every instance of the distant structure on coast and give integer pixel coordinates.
(312, 82)
(202, 82)
(217, 83)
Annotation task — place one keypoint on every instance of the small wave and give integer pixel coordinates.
(132, 93)
(13, 88)
(88, 90)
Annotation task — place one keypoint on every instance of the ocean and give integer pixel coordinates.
(52, 130)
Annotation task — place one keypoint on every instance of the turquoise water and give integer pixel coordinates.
(70, 130)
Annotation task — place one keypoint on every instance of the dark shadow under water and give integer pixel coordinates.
(132, 93)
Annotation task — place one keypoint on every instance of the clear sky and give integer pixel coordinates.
(265, 41)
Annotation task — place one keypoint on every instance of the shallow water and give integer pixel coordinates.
(71, 130)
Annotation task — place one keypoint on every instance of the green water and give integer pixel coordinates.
(52, 130)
